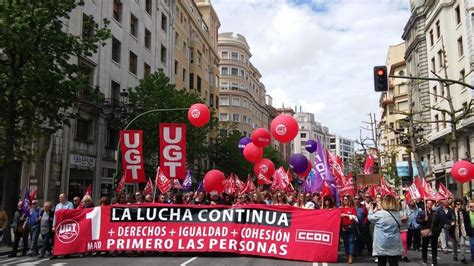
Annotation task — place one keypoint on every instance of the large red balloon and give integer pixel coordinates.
(214, 180)
(265, 167)
(253, 153)
(306, 172)
(462, 171)
(261, 137)
(198, 114)
(284, 128)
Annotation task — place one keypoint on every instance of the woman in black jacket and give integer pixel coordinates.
(460, 230)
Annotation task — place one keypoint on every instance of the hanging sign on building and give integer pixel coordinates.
(132, 156)
(173, 150)
(81, 160)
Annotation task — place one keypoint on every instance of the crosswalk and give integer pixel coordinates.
(24, 261)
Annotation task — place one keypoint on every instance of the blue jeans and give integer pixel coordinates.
(46, 243)
(471, 243)
(349, 242)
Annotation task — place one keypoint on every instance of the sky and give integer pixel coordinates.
(319, 54)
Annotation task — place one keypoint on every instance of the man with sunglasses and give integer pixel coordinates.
(460, 230)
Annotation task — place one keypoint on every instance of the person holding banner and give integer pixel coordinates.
(387, 245)
(461, 229)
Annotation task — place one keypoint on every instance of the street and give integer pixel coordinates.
(207, 259)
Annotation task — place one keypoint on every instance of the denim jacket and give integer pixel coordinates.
(412, 214)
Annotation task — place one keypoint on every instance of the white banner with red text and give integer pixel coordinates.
(269, 231)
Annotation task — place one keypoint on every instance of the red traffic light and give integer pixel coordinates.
(380, 72)
(380, 78)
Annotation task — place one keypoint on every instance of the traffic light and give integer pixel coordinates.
(380, 78)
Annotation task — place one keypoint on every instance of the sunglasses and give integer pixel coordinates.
(471, 206)
(458, 204)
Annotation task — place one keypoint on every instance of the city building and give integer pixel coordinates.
(309, 128)
(448, 33)
(286, 149)
(241, 94)
(84, 153)
(344, 148)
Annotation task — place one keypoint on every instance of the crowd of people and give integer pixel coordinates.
(384, 227)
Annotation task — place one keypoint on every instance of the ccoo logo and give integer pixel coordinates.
(67, 231)
(280, 129)
(195, 113)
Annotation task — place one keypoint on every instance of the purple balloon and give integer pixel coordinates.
(311, 145)
(299, 163)
(243, 142)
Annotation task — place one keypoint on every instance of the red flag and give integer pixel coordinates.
(385, 189)
(290, 176)
(33, 190)
(249, 186)
(425, 190)
(263, 180)
(348, 188)
(88, 190)
(120, 185)
(148, 188)
(413, 192)
(372, 191)
(443, 191)
(176, 184)
(131, 144)
(280, 179)
(230, 186)
(408, 197)
(419, 186)
(336, 169)
(369, 165)
(162, 182)
(239, 183)
(326, 190)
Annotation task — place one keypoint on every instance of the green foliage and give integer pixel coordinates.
(39, 77)
(156, 92)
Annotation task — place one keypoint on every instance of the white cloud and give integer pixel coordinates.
(319, 54)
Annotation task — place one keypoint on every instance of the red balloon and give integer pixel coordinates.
(198, 114)
(306, 172)
(462, 171)
(284, 128)
(265, 167)
(261, 137)
(214, 180)
(253, 153)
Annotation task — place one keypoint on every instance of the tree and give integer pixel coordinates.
(40, 78)
(156, 92)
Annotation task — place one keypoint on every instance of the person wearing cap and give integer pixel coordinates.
(33, 223)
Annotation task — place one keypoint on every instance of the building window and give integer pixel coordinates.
(438, 30)
(164, 22)
(443, 118)
(433, 64)
(223, 117)
(242, 73)
(191, 55)
(117, 10)
(176, 67)
(147, 38)
(114, 94)
(435, 93)
(224, 85)
(133, 25)
(462, 75)
(224, 101)
(198, 85)
(84, 131)
(225, 55)
(87, 32)
(132, 63)
(116, 50)
(184, 74)
(235, 56)
(436, 118)
(224, 71)
(199, 58)
(236, 117)
(234, 86)
(235, 101)
(234, 71)
(460, 47)
(163, 54)
(440, 58)
(148, 6)
(431, 38)
(185, 46)
(458, 15)
(176, 39)
(146, 70)
(303, 136)
(191, 81)
(112, 138)
(242, 58)
(211, 100)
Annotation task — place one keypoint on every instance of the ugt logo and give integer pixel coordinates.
(67, 231)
